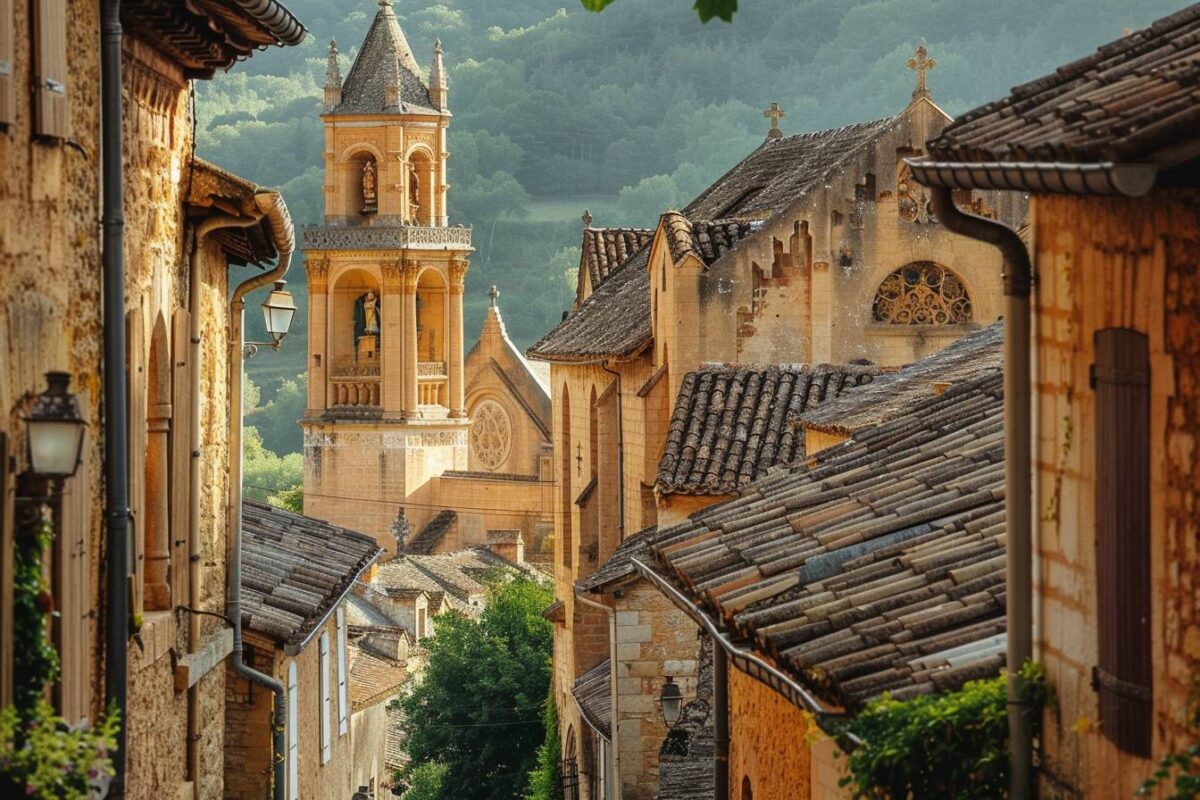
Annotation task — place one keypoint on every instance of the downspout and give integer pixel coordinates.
(1018, 280)
(612, 676)
(271, 204)
(116, 455)
(194, 439)
(620, 456)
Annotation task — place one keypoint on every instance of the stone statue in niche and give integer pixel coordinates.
(414, 195)
(369, 194)
(366, 326)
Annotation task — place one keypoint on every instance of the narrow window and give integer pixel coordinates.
(747, 789)
(343, 703)
(7, 94)
(1123, 675)
(51, 114)
(326, 738)
(293, 742)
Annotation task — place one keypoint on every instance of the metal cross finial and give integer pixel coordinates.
(587, 218)
(774, 113)
(921, 64)
(493, 293)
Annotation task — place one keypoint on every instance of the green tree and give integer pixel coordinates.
(425, 781)
(707, 9)
(266, 474)
(478, 709)
(278, 421)
(545, 782)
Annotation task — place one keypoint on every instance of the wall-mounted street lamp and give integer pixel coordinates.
(54, 430)
(278, 310)
(671, 701)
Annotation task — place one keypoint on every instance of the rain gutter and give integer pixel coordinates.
(1103, 178)
(276, 18)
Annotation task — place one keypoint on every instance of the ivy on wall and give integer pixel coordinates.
(1183, 765)
(949, 745)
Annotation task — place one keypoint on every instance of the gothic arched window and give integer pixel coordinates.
(922, 293)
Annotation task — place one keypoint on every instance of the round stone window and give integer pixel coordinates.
(491, 434)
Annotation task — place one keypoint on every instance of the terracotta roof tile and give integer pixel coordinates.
(732, 423)
(295, 569)
(373, 678)
(1133, 100)
(876, 566)
(606, 249)
(707, 240)
(593, 694)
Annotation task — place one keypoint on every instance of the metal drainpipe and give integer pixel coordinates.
(233, 606)
(720, 723)
(620, 457)
(612, 661)
(194, 438)
(116, 455)
(1018, 281)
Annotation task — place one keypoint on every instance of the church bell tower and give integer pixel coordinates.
(385, 278)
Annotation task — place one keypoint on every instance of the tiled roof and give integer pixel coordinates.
(783, 170)
(361, 612)
(620, 563)
(606, 249)
(394, 757)
(373, 678)
(1132, 100)
(295, 569)
(593, 694)
(213, 190)
(732, 423)
(432, 534)
(893, 394)
(384, 59)
(458, 576)
(880, 567)
(686, 758)
(613, 322)
(707, 240)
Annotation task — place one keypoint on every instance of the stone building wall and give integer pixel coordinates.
(1114, 263)
(778, 766)
(368, 737)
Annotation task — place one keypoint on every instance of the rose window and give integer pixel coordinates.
(491, 434)
(922, 293)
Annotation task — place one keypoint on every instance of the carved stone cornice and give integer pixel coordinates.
(393, 275)
(387, 237)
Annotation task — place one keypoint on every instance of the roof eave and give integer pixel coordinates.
(1106, 178)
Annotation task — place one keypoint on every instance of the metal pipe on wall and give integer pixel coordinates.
(1018, 282)
(116, 455)
(720, 723)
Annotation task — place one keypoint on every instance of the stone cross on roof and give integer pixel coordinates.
(587, 218)
(494, 294)
(774, 113)
(921, 64)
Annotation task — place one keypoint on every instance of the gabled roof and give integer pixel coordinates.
(203, 36)
(879, 566)
(1133, 100)
(593, 693)
(374, 678)
(620, 564)
(606, 249)
(432, 534)
(385, 59)
(458, 576)
(613, 322)
(212, 189)
(893, 394)
(706, 240)
(783, 170)
(295, 570)
(732, 423)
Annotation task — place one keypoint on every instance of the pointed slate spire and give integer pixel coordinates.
(437, 78)
(385, 75)
(333, 78)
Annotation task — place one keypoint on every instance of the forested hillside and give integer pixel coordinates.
(626, 112)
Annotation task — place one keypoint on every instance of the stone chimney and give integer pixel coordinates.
(437, 78)
(333, 79)
(508, 544)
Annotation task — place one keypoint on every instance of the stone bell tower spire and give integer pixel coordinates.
(333, 78)
(437, 78)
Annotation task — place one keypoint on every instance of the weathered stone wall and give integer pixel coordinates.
(777, 764)
(654, 640)
(368, 739)
(1114, 263)
(484, 503)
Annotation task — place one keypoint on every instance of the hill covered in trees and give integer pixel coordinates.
(627, 112)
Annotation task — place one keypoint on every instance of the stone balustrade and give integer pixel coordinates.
(387, 237)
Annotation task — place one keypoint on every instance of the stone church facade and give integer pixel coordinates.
(395, 440)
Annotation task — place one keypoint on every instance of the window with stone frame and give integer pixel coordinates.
(922, 293)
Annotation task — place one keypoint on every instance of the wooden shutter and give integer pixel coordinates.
(135, 374)
(1123, 674)
(326, 738)
(51, 112)
(7, 63)
(181, 456)
(6, 572)
(293, 733)
(73, 590)
(343, 699)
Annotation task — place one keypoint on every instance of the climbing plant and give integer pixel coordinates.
(949, 745)
(40, 754)
(1184, 765)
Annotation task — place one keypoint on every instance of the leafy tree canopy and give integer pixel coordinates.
(707, 9)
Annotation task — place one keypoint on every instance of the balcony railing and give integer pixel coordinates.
(387, 237)
(432, 383)
(355, 392)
